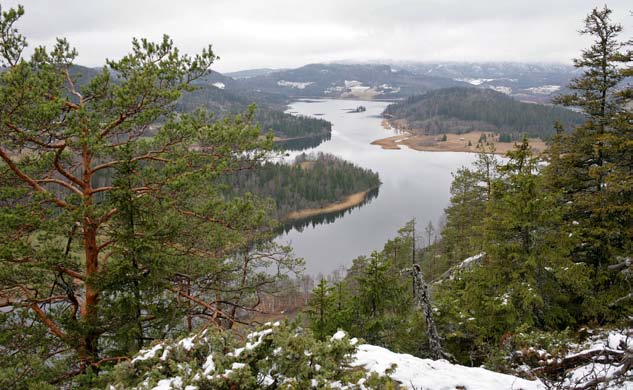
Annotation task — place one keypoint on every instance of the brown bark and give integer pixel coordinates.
(47, 321)
(89, 343)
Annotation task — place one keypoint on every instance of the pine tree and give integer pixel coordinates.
(117, 230)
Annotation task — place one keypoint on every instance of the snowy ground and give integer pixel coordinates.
(605, 374)
(417, 374)
(411, 372)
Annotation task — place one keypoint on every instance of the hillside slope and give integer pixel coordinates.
(367, 81)
(460, 110)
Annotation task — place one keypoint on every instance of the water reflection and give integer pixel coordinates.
(300, 224)
(303, 143)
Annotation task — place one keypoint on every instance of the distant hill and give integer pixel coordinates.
(532, 82)
(245, 74)
(460, 110)
(223, 96)
(524, 81)
(368, 81)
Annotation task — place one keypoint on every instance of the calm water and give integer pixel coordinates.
(415, 184)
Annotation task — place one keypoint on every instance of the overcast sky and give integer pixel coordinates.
(277, 33)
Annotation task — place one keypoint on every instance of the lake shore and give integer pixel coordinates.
(348, 202)
(302, 137)
(453, 143)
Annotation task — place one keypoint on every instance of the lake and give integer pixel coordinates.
(415, 185)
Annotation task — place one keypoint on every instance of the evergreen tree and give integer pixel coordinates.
(321, 311)
(471, 190)
(591, 168)
(117, 231)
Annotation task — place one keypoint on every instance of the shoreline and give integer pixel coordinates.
(454, 143)
(281, 139)
(348, 202)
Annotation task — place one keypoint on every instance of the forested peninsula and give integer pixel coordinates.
(309, 186)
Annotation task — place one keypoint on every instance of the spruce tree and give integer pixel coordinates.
(321, 310)
(590, 169)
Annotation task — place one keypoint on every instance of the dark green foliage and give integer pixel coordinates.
(460, 110)
(118, 234)
(592, 169)
(276, 356)
(549, 232)
(374, 301)
(329, 309)
(504, 137)
(528, 279)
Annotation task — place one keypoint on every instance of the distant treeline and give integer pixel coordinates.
(312, 181)
(460, 110)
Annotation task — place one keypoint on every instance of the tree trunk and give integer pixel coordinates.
(423, 301)
(89, 310)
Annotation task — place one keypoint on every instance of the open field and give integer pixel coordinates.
(453, 143)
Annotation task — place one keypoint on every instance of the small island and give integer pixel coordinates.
(358, 109)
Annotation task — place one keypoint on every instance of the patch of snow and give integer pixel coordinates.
(148, 353)
(250, 344)
(219, 85)
(169, 384)
(187, 343)
(209, 365)
(416, 373)
(165, 353)
(332, 89)
(499, 88)
(544, 89)
(294, 84)
(614, 342)
(470, 260)
(389, 88)
(475, 81)
(340, 335)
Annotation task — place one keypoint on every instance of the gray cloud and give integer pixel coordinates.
(281, 33)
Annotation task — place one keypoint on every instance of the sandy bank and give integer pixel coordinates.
(349, 201)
